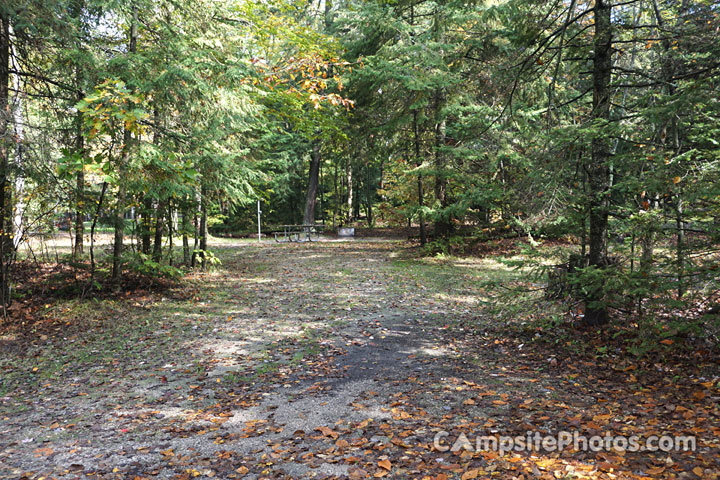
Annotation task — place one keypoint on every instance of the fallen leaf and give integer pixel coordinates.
(43, 451)
(328, 432)
(470, 474)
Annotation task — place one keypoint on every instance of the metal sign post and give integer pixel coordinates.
(259, 212)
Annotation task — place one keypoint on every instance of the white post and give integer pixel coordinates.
(259, 212)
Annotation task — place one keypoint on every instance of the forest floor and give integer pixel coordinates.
(329, 360)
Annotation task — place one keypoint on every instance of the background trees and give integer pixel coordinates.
(593, 120)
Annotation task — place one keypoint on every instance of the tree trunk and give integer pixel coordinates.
(598, 170)
(92, 231)
(313, 180)
(348, 176)
(185, 228)
(442, 223)
(336, 209)
(680, 244)
(671, 129)
(79, 215)
(80, 176)
(119, 229)
(196, 226)
(5, 197)
(203, 226)
(120, 206)
(145, 225)
(18, 214)
(421, 204)
(157, 242)
(171, 231)
(647, 242)
(368, 197)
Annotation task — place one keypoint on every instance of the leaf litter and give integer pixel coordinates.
(327, 361)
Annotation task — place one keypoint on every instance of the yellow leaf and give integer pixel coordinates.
(698, 471)
(676, 180)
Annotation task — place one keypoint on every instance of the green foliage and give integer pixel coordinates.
(112, 107)
(208, 257)
(472, 116)
(144, 265)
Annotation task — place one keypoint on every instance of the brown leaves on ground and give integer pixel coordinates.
(327, 432)
(469, 379)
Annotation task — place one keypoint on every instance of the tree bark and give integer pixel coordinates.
(79, 215)
(127, 139)
(421, 204)
(349, 177)
(92, 231)
(442, 223)
(647, 240)
(185, 228)
(80, 176)
(203, 226)
(171, 231)
(18, 210)
(313, 181)
(157, 242)
(598, 170)
(671, 129)
(196, 226)
(145, 225)
(680, 250)
(76, 9)
(418, 161)
(336, 208)
(368, 197)
(5, 196)
(119, 229)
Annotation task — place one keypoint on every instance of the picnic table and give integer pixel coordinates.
(299, 233)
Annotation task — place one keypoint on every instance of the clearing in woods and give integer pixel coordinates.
(323, 360)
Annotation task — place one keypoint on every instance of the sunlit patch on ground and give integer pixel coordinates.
(322, 359)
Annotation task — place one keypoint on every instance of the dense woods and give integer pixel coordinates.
(158, 121)
(349, 239)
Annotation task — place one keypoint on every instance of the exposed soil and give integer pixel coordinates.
(324, 360)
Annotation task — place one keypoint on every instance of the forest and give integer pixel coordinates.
(536, 177)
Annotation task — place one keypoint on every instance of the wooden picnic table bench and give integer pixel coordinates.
(299, 233)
